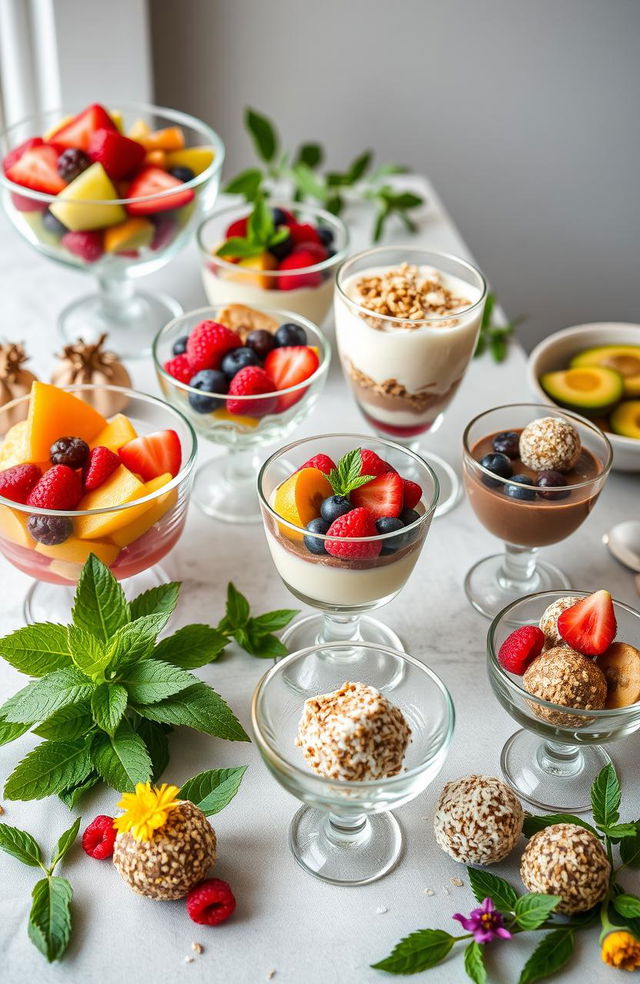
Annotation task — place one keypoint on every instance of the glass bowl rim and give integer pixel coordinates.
(380, 537)
(177, 115)
(495, 667)
(293, 768)
(550, 410)
(329, 217)
(177, 480)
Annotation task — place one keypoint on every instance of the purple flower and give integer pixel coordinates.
(486, 923)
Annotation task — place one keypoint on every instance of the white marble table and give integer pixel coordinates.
(308, 932)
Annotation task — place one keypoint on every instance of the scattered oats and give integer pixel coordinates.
(457, 882)
(406, 292)
(429, 891)
(197, 947)
(271, 974)
(1, 811)
(188, 959)
(446, 890)
(380, 911)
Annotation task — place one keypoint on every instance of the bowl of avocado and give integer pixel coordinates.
(594, 370)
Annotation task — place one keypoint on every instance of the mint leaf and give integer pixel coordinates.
(133, 642)
(71, 796)
(486, 885)
(416, 952)
(605, 796)
(237, 248)
(65, 843)
(122, 759)
(21, 845)
(309, 183)
(263, 135)
(49, 768)
(155, 738)
(630, 849)
(99, 605)
(88, 653)
(211, 791)
(37, 649)
(260, 227)
(10, 730)
(50, 916)
(151, 681)
(247, 183)
(532, 823)
(67, 723)
(310, 154)
(474, 963)
(44, 696)
(156, 601)
(532, 909)
(617, 831)
(191, 646)
(360, 166)
(262, 646)
(346, 477)
(237, 607)
(272, 621)
(550, 955)
(108, 704)
(201, 708)
(628, 906)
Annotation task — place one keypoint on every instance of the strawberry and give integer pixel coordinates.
(165, 230)
(153, 455)
(180, 368)
(372, 464)
(156, 181)
(412, 494)
(14, 155)
(59, 488)
(102, 463)
(86, 244)
(16, 483)
(208, 344)
(521, 648)
(320, 461)
(288, 366)
(383, 496)
(118, 154)
(237, 229)
(252, 381)
(37, 168)
(304, 232)
(589, 627)
(315, 249)
(298, 260)
(358, 522)
(78, 131)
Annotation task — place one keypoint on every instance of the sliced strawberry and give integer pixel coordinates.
(37, 169)
(237, 229)
(304, 232)
(153, 181)
(252, 381)
(320, 461)
(59, 488)
(152, 455)
(590, 626)
(118, 154)
(14, 155)
(372, 464)
(288, 366)
(78, 131)
(412, 493)
(358, 522)
(383, 496)
(87, 244)
(102, 463)
(180, 368)
(16, 483)
(521, 648)
(317, 250)
(298, 260)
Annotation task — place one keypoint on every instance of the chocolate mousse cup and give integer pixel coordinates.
(523, 514)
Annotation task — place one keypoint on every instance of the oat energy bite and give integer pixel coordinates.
(568, 861)
(478, 820)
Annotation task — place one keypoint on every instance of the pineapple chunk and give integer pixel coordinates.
(84, 203)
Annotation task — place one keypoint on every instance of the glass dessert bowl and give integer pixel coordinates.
(532, 501)
(407, 321)
(73, 482)
(297, 273)
(345, 834)
(554, 759)
(115, 193)
(342, 546)
(264, 373)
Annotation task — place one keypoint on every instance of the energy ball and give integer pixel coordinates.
(568, 861)
(550, 444)
(478, 820)
(562, 676)
(353, 733)
(549, 621)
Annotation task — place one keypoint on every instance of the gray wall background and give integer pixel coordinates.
(526, 115)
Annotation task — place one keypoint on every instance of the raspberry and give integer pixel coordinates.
(59, 488)
(358, 522)
(412, 494)
(208, 343)
(321, 461)
(372, 464)
(252, 381)
(210, 902)
(521, 648)
(71, 451)
(180, 368)
(102, 463)
(99, 838)
(17, 483)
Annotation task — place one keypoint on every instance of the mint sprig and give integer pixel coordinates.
(346, 477)
(495, 337)
(261, 234)
(254, 634)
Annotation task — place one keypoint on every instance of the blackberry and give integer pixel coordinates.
(70, 451)
(261, 341)
(71, 163)
(50, 530)
(554, 480)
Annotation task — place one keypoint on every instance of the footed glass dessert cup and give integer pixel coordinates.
(99, 228)
(343, 589)
(527, 516)
(345, 833)
(552, 761)
(407, 322)
(225, 487)
(131, 538)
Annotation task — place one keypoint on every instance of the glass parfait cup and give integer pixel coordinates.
(525, 525)
(345, 833)
(552, 761)
(343, 591)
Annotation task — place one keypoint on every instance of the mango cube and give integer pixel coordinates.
(119, 489)
(118, 431)
(85, 202)
(155, 511)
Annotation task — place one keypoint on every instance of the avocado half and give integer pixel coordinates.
(593, 390)
(625, 359)
(625, 419)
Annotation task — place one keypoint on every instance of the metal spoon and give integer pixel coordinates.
(623, 541)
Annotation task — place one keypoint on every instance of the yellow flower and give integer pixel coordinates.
(621, 950)
(146, 810)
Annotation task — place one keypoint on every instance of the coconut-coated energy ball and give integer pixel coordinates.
(550, 444)
(478, 820)
(549, 621)
(568, 861)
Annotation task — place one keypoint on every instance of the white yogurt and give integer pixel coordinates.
(310, 302)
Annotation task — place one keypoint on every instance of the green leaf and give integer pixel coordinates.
(50, 916)
(534, 908)
(310, 154)
(10, 730)
(67, 723)
(99, 605)
(260, 227)
(133, 643)
(550, 955)
(385, 170)
(156, 601)
(605, 796)
(360, 166)
(237, 607)
(346, 477)
(617, 831)
(309, 183)
(71, 796)
(242, 248)
(247, 183)
(21, 845)
(122, 759)
(263, 134)
(65, 843)
(37, 649)
(334, 204)
(211, 791)
(474, 963)
(191, 646)
(533, 823)
(89, 654)
(108, 704)
(627, 906)
(155, 738)
(498, 346)
(484, 885)
(272, 621)
(630, 849)
(262, 646)
(416, 952)
(200, 708)
(151, 681)
(49, 768)
(379, 224)
(44, 696)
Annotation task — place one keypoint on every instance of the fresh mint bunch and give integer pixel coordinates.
(492, 336)
(261, 234)
(254, 634)
(346, 477)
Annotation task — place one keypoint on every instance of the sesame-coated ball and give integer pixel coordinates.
(549, 620)
(478, 820)
(550, 444)
(568, 861)
(562, 676)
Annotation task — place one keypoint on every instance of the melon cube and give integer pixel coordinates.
(75, 551)
(13, 526)
(197, 159)
(54, 413)
(155, 511)
(85, 202)
(119, 489)
(117, 432)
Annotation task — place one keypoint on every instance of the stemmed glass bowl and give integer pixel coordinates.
(552, 761)
(345, 834)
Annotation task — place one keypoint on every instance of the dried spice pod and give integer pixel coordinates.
(90, 363)
(15, 381)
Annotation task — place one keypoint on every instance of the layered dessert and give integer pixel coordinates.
(405, 334)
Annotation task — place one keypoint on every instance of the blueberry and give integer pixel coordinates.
(50, 530)
(334, 507)
(209, 381)
(179, 347)
(279, 217)
(70, 451)
(409, 516)
(508, 442)
(390, 524)
(54, 225)
(238, 359)
(182, 173)
(326, 236)
(282, 249)
(261, 341)
(314, 543)
(290, 334)
(518, 491)
(499, 464)
(552, 479)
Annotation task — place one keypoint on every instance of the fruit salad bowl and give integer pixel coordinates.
(115, 193)
(245, 377)
(73, 482)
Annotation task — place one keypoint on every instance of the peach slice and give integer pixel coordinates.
(13, 450)
(13, 526)
(299, 498)
(75, 551)
(155, 510)
(54, 413)
(117, 432)
(119, 489)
